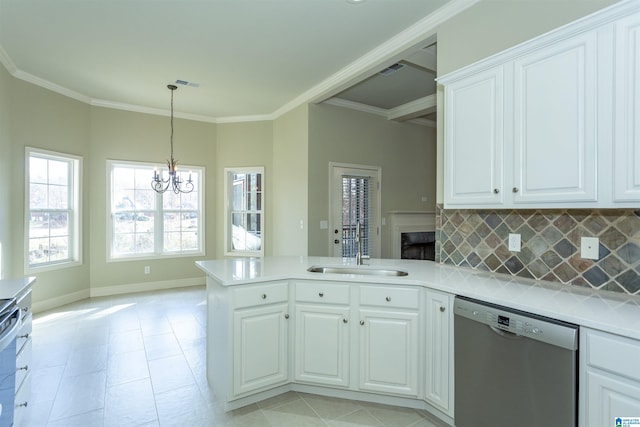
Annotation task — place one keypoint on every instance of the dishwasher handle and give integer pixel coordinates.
(505, 334)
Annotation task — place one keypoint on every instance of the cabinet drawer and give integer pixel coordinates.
(24, 302)
(23, 363)
(248, 296)
(22, 402)
(24, 333)
(324, 292)
(387, 296)
(614, 354)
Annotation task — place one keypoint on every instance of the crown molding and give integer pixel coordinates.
(343, 103)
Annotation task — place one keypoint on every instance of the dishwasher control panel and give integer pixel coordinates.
(519, 323)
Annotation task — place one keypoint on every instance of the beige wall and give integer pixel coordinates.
(244, 144)
(43, 119)
(6, 157)
(491, 26)
(290, 182)
(124, 135)
(405, 152)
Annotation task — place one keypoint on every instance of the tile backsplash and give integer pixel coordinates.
(550, 244)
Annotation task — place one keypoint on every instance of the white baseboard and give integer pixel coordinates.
(146, 286)
(129, 288)
(48, 304)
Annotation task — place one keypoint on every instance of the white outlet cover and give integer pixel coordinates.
(589, 247)
(514, 242)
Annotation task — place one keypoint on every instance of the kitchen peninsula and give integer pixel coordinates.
(274, 326)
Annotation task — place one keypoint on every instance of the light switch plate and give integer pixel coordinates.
(589, 247)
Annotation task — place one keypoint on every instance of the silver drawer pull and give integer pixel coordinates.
(496, 191)
(388, 299)
(286, 316)
(514, 189)
(24, 336)
(24, 405)
(361, 322)
(321, 294)
(264, 296)
(345, 321)
(24, 368)
(442, 308)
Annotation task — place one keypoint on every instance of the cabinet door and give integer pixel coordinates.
(555, 122)
(322, 344)
(439, 355)
(389, 352)
(610, 397)
(627, 110)
(260, 348)
(474, 139)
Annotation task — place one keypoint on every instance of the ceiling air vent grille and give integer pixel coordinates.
(186, 83)
(392, 69)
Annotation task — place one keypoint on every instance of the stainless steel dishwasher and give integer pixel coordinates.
(513, 368)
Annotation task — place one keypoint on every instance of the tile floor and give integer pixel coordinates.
(139, 360)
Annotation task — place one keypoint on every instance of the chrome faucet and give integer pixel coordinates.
(359, 242)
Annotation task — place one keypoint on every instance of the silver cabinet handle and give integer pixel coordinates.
(345, 320)
(286, 316)
(442, 309)
(496, 191)
(24, 336)
(514, 189)
(264, 296)
(388, 299)
(24, 405)
(362, 322)
(24, 368)
(320, 294)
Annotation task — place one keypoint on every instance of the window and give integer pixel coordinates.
(53, 220)
(146, 224)
(244, 213)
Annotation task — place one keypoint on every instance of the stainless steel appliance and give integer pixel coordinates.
(9, 322)
(513, 368)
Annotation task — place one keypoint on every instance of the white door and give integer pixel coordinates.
(322, 344)
(260, 348)
(389, 352)
(354, 196)
(555, 122)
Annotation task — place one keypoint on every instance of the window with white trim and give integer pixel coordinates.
(244, 213)
(147, 224)
(53, 210)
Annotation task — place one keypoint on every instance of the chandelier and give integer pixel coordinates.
(173, 180)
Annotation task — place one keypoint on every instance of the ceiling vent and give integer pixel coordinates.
(392, 69)
(186, 83)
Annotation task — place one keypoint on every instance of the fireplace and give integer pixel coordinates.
(418, 245)
(412, 235)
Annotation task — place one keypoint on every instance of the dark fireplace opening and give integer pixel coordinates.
(418, 245)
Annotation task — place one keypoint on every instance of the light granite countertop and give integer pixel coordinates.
(603, 310)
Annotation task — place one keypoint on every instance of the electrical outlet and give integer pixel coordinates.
(589, 247)
(147, 269)
(514, 242)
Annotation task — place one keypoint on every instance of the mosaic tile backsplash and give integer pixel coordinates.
(550, 244)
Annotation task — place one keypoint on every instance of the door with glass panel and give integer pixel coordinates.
(355, 200)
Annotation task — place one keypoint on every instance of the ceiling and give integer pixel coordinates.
(239, 59)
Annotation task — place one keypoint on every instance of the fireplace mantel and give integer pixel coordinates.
(407, 222)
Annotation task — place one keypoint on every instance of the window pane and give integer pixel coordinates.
(38, 196)
(58, 197)
(38, 170)
(58, 172)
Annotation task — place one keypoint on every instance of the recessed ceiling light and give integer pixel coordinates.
(355, 1)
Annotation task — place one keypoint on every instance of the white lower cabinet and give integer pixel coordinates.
(322, 333)
(610, 378)
(389, 339)
(439, 350)
(260, 337)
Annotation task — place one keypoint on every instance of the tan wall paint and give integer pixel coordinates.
(405, 152)
(290, 182)
(123, 135)
(44, 119)
(244, 144)
(492, 26)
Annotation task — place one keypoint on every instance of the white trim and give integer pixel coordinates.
(227, 223)
(408, 222)
(343, 103)
(77, 210)
(391, 51)
(48, 304)
(129, 288)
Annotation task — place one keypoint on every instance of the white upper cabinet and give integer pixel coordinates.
(627, 110)
(551, 123)
(474, 122)
(554, 118)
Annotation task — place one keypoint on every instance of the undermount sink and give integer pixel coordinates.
(357, 270)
